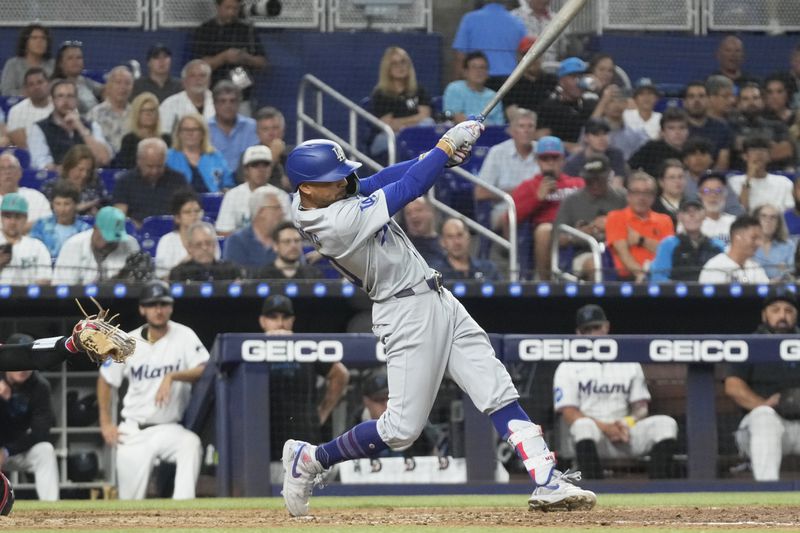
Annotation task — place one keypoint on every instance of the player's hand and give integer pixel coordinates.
(462, 135)
(5, 390)
(546, 186)
(5, 259)
(772, 401)
(277, 146)
(633, 237)
(110, 434)
(611, 430)
(624, 431)
(163, 392)
(72, 120)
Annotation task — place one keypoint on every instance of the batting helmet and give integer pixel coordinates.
(318, 160)
(6, 495)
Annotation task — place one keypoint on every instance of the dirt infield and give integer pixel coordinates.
(717, 518)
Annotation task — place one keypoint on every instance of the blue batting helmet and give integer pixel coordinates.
(318, 160)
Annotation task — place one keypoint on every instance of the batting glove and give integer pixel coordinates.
(459, 137)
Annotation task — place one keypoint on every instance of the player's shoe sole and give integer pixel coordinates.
(573, 502)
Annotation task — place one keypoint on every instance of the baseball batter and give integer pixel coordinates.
(425, 330)
(169, 357)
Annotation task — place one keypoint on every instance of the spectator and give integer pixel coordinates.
(737, 263)
(169, 357)
(776, 101)
(712, 192)
(756, 186)
(194, 98)
(69, 66)
(674, 132)
(509, 163)
(202, 264)
(536, 14)
(681, 257)
(633, 233)
(10, 174)
(458, 263)
(586, 210)
(33, 51)
(234, 213)
(603, 69)
(494, 32)
(730, 56)
(792, 77)
(398, 100)
(751, 122)
(173, 248)
(288, 244)
(35, 107)
(231, 47)
(533, 88)
(605, 407)
(643, 116)
(23, 260)
(420, 222)
(193, 156)
(792, 216)
(695, 102)
(469, 96)
(672, 187)
(26, 418)
(770, 428)
(537, 200)
(54, 230)
(721, 97)
(146, 190)
(253, 246)
(298, 405)
(79, 169)
(564, 114)
(159, 80)
(270, 128)
(113, 113)
(697, 160)
(144, 123)
(97, 254)
(776, 253)
(231, 132)
(611, 107)
(50, 138)
(597, 140)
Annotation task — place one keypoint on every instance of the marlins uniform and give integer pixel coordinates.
(148, 431)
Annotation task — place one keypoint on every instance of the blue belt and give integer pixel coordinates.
(433, 283)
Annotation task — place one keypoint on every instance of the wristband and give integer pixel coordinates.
(630, 421)
(70, 345)
(446, 146)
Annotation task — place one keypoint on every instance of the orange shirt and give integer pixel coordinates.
(655, 226)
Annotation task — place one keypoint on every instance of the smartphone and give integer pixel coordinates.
(5, 248)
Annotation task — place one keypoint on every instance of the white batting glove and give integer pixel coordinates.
(460, 136)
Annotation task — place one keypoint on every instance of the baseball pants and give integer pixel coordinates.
(41, 460)
(138, 451)
(765, 437)
(425, 336)
(643, 436)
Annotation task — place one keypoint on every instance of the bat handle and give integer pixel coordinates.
(479, 117)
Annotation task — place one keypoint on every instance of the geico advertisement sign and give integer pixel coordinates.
(594, 349)
(284, 351)
(706, 351)
(790, 350)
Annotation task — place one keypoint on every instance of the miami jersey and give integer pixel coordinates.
(603, 391)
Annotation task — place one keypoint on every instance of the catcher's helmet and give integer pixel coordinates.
(318, 160)
(6, 495)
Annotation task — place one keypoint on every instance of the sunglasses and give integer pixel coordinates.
(70, 44)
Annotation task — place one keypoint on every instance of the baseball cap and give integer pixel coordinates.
(257, 153)
(158, 49)
(689, 203)
(277, 303)
(154, 292)
(597, 125)
(711, 176)
(571, 65)
(549, 145)
(14, 203)
(111, 223)
(780, 294)
(645, 84)
(525, 44)
(596, 166)
(589, 315)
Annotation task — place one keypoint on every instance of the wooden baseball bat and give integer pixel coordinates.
(543, 42)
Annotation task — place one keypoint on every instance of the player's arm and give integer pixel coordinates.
(186, 376)
(39, 355)
(337, 380)
(740, 392)
(107, 427)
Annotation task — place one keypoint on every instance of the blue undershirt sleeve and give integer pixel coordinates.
(384, 177)
(417, 179)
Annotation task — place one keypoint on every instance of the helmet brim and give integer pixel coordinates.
(339, 173)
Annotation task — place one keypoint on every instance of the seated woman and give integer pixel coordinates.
(79, 168)
(69, 66)
(33, 50)
(144, 123)
(776, 253)
(672, 189)
(172, 248)
(193, 156)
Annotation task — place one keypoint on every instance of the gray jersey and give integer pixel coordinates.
(364, 244)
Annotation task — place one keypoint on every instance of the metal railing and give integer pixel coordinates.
(595, 248)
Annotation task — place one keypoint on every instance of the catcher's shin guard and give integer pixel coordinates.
(526, 438)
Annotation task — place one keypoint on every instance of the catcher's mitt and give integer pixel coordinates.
(100, 339)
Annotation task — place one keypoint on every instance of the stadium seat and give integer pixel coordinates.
(97, 75)
(7, 102)
(456, 192)
(414, 140)
(33, 179)
(492, 135)
(22, 155)
(664, 103)
(211, 202)
(153, 228)
(109, 177)
(436, 104)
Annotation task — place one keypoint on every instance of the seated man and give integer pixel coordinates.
(113, 113)
(271, 129)
(10, 176)
(169, 357)
(611, 107)
(194, 98)
(253, 246)
(643, 116)
(533, 88)
(35, 107)
(54, 230)
(159, 79)
(674, 132)
(698, 160)
(202, 264)
(712, 193)
(97, 254)
(466, 97)
(757, 187)
(718, 132)
(419, 221)
(231, 132)
(23, 260)
(605, 407)
(288, 245)
(566, 111)
(737, 263)
(596, 140)
(458, 263)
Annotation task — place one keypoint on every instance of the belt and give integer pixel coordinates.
(433, 283)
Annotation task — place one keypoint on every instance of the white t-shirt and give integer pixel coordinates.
(505, 168)
(24, 114)
(603, 391)
(234, 211)
(30, 262)
(718, 229)
(76, 263)
(178, 105)
(38, 205)
(170, 252)
(722, 269)
(651, 126)
(773, 189)
(178, 350)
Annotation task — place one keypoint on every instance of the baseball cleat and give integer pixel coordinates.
(301, 471)
(561, 494)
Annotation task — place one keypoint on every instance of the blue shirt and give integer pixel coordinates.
(792, 222)
(779, 260)
(494, 31)
(215, 171)
(244, 249)
(459, 98)
(232, 145)
(53, 235)
(661, 267)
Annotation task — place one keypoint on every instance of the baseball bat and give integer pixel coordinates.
(543, 42)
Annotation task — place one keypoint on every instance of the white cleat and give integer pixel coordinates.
(561, 494)
(301, 471)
